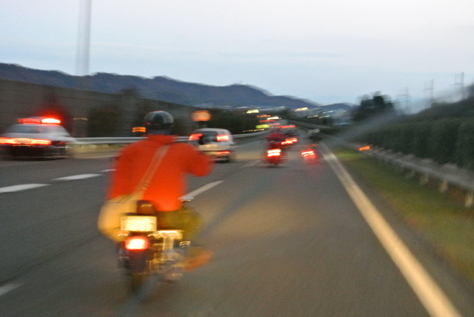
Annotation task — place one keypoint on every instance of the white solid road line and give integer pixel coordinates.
(430, 294)
(76, 177)
(17, 188)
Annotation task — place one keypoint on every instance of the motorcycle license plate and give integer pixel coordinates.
(138, 223)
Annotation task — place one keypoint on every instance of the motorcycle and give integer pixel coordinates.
(275, 155)
(150, 254)
(309, 156)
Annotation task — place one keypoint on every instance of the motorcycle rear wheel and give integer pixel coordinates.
(136, 281)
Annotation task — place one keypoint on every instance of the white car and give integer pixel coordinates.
(36, 137)
(217, 143)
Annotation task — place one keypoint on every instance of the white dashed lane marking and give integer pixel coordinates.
(201, 190)
(7, 288)
(17, 188)
(76, 177)
(250, 164)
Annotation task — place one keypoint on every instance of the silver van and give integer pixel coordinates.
(217, 143)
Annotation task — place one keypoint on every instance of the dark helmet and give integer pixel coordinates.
(158, 120)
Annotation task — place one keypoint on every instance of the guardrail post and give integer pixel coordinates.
(424, 179)
(410, 174)
(443, 186)
(469, 199)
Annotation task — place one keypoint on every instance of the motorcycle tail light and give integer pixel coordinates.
(137, 243)
(275, 152)
(308, 153)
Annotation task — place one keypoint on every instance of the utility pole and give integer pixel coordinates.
(82, 64)
(83, 39)
(403, 99)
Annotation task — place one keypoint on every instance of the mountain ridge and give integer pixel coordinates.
(158, 88)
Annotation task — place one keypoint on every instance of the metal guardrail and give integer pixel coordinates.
(128, 140)
(84, 145)
(448, 175)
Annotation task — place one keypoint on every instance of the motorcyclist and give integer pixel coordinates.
(275, 138)
(169, 181)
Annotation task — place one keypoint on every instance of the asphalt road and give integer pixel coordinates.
(288, 241)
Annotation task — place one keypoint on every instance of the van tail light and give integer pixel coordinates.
(8, 141)
(40, 142)
(137, 243)
(195, 136)
(222, 137)
(17, 141)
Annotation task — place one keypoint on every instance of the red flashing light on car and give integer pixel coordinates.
(50, 121)
(39, 120)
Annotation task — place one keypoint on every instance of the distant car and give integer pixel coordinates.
(36, 137)
(217, 143)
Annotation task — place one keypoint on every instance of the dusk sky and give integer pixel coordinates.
(326, 52)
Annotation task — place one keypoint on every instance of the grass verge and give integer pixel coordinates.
(442, 221)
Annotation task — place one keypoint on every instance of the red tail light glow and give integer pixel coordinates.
(308, 153)
(137, 243)
(222, 137)
(195, 136)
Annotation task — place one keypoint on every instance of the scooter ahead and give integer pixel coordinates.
(275, 156)
(150, 254)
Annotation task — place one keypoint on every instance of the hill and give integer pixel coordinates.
(158, 88)
(462, 108)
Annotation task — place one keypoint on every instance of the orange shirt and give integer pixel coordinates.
(169, 180)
